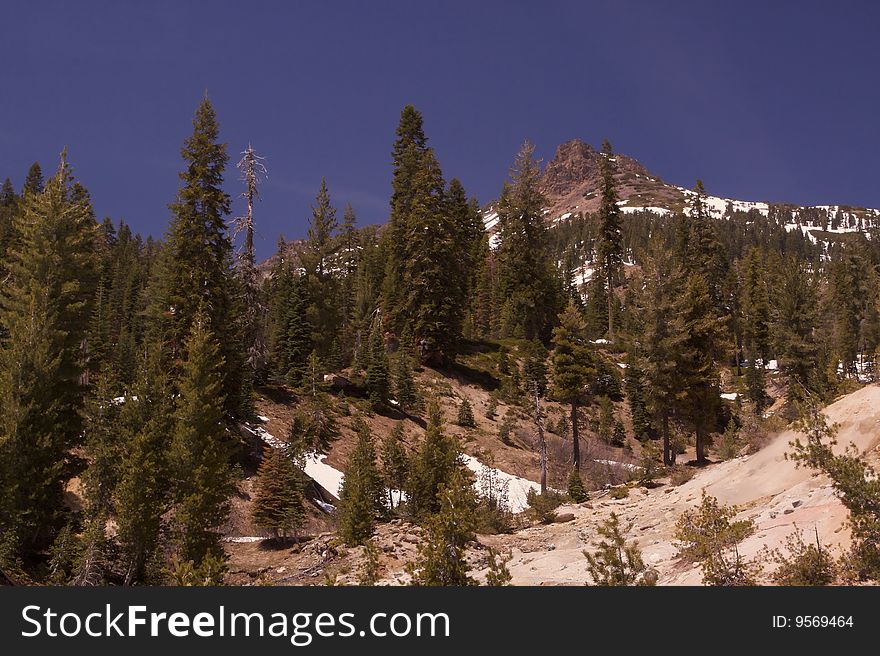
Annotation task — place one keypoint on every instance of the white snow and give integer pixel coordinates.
(615, 463)
(631, 209)
(517, 487)
(730, 396)
(601, 340)
(323, 474)
(263, 418)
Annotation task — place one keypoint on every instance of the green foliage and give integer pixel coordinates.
(143, 494)
(498, 574)
(856, 483)
(526, 275)
(395, 465)
(635, 394)
(576, 490)
(465, 414)
(440, 558)
(200, 448)
(278, 500)
(505, 431)
(361, 499)
(209, 572)
(619, 492)
(44, 311)
(615, 562)
(377, 379)
(431, 467)
(574, 367)
(493, 510)
(196, 268)
(405, 390)
(544, 505)
(730, 444)
(710, 536)
(369, 572)
(650, 463)
(804, 564)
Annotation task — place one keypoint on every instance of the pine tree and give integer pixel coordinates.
(576, 489)
(431, 467)
(526, 275)
(616, 562)
(794, 322)
(143, 496)
(200, 449)
(705, 253)
(664, 335)
(33, 182)
(405, 391)
(697, 360)
(574, 369)
(609, 249)
(395, 466)
(361, 496)
(196, 268)
(440, 560)
(377, 382)
(290, 341)
(44, 309)
(465, 414)
(278, 500)
(635, 394)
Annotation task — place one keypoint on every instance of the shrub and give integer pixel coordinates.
(576, 489)
(619, 492)
(617, 563)
(465, 415)
(544, 505)
(709, 536)
(681, 474)
(805, 564)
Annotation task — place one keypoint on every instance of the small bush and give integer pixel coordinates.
(805, 564)
(576, 489)
(620, 492)
(681, 474)
(544, 505)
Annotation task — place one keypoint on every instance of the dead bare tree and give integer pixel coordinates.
(252, 172)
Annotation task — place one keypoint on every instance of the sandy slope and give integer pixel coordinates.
(767, 487)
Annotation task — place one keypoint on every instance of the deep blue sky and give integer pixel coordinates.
(765, 101)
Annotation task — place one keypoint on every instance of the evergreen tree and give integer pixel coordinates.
(431, 467)
(697, 359)
(33, 182)
(465, 414)
(664, 335)
(377, 382)
(440, 560)
(44, 309)
(200, 449)
(794, 322)
(395, 466)
(361, 496)
(405, 390)
(704, 253)
(635, 394)
(289, 335)
(278, 500)
(609, 249)
(526, 275)
(196, 269)
(574, 369)
(576, 490)
(143, 495)
(616, 562)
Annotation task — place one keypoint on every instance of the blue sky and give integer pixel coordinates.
(764, 101)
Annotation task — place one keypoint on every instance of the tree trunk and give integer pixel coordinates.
(610, 309)
(700, 444)
(575, 438)
(667, 450)
(541, 441)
